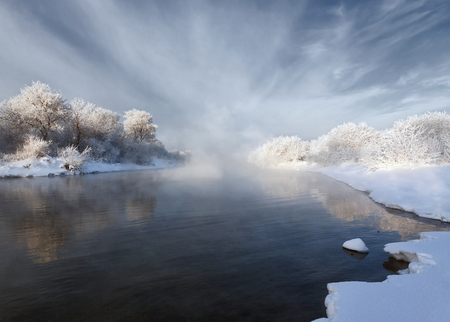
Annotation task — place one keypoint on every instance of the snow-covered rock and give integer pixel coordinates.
(357, 245)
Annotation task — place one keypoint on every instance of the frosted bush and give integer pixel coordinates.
(105, 151)
(418, 140)
(32, 148)
(280, 150)
(423, 139)
(139, 152)
(143, 152)
(72, 159)
(343, 143)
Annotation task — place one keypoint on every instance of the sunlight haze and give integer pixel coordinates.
(229, 75)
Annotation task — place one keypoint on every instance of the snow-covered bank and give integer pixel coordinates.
(423, 190)
(421, 294)
(53, 167)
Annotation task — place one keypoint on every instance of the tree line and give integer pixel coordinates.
(418, 140)
(39, 121)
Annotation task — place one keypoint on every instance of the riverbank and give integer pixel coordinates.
(48, 166)
(421, 190)
(420, 293)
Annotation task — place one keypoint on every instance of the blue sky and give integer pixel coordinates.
(231, 74)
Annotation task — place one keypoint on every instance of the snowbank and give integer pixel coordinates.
(421, 294)
(52, 167)
(424, 190)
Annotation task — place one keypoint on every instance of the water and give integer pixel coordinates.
(160, 246)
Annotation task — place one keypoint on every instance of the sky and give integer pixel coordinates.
(229, 75)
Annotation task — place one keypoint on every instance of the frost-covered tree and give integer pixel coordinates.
(343, 143)
(77, 121)
(103, 133)
(139, 126)
(420, 139)
(37, 110)
(39, 120)
(281, 149)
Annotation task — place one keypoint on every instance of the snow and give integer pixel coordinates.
(419, 293)
(48, 166)
(422, 190)
(357, 245)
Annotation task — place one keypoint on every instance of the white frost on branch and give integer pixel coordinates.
(280, 150)
(418, 140)
(139, 126)
(39, 120)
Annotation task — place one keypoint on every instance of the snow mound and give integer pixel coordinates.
(421, 295)
(357, 245)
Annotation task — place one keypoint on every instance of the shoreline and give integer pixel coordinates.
(52, 167)
(419, 293)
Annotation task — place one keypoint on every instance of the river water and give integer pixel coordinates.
(163, 246)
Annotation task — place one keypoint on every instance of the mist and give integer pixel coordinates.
(221, 77)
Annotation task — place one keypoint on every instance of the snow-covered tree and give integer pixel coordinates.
(37, 109)
(39, 120)
(77, 121)
(344, 143)
(103, 133)
(139, 126)
(420, 139)
(281, 149)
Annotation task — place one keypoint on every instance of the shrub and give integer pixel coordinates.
(418, 140)
(343, 143)
(422, 139)
(280, 150)
(143, 152)
(72, 159)
(32, 148)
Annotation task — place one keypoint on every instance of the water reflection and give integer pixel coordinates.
(142, 246)
(355, 255)
(393, 265)
(45, 212)
(343, 202)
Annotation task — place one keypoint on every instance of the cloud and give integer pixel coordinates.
(230, 74)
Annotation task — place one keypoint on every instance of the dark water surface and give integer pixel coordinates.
(160, 246)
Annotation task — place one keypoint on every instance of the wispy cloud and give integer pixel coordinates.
(234, 72)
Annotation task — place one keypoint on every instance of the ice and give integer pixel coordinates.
(357, 245)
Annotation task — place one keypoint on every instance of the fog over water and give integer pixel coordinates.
(228, 75)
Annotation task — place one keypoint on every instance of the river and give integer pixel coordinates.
(160, 246)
